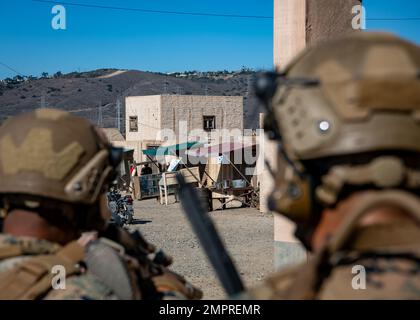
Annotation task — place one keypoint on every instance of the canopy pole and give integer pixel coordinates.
(237, 170)
(154, 162)
(209, 176)
(186, 167)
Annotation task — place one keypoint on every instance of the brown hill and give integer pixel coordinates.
(84, 93)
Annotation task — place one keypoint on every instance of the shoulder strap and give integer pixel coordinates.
(401, 199)
(10, 251)
(32, 278)
(22, 247)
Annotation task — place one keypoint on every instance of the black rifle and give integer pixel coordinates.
(209, 238)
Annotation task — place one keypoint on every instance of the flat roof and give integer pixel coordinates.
(183, 96)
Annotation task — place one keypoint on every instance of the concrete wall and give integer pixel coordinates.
(328, 19)
(301, 22)
(298, 23)
(289, 40)
(228, 111)
(289, 30)
(164, 112)
(147, 109)
(156, 113)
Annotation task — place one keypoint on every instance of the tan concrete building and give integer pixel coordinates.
(298, 23)
(149, 119)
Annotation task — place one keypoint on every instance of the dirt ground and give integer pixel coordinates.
(248, 236)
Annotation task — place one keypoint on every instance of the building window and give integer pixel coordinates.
(134, 124)
(209, 123)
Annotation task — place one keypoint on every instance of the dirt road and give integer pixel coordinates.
(247, 234)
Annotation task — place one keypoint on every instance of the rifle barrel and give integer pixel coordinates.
(210, 239)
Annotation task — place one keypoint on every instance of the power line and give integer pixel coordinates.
(197, 13)
(393, 19)
(37, 84)
(156, 11)
(11, 69)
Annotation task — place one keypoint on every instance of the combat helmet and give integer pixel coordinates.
(346, 114)
(54, 160)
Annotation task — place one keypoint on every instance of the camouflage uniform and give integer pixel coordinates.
(392, 270)
(58, 168)
(84, 285)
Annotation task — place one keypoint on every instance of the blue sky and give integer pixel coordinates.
(99, 38)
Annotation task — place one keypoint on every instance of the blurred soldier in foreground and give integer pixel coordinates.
(54, 171)
(346, 115)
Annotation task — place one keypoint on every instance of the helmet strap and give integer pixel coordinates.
(384, 172)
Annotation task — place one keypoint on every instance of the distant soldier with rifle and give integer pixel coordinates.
(55, 169)
(346, 116)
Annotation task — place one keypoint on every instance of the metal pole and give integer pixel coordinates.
(237, 170)
(119, 114)
(43, 102)
(99, 119)
(153, 161)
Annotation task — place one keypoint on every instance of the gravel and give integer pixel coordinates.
(248, 236)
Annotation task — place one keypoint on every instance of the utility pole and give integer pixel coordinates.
(118, 124)
(165, 85)
(93, 116)
(249, 85)
(100, 115)
(43, 100)
(178, 90)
